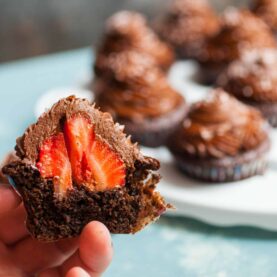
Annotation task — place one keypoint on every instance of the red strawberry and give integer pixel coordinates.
(78, 133)
(54, 163)
(93, 161)
(107, 168)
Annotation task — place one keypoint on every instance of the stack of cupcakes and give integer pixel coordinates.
(218, 139)
(186, 25)
(131, 84)
(240, 31)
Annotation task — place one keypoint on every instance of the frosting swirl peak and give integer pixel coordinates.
(126, 30)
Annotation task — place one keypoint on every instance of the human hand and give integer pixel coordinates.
(21, 255)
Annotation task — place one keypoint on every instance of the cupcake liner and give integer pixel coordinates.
(224, 174)
(228, 169)
(155, 132)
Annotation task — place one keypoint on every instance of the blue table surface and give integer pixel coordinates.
(171, 246)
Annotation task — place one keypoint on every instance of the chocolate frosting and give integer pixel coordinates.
(51, 121)
(134, 88)
(267, 10)
(128, 30)
(253, 77)
(187, 23)
(241, 31)
(218, 127)
(127, 69)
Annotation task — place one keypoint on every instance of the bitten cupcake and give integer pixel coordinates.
(253, 80)
(221, 140)
(241, 31)
(186, 25)
(75, 165)
(127, 30)
(137, 94)
(267, 10)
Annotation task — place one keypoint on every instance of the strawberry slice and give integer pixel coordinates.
(107, 168)
(78, 133)
(54, 163)
(93, 161)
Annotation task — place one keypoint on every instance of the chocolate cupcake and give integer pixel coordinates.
(75, 165)
(186, 25)
(221, 140)
(127, 30)
(253, 80)
(267, 10)
(241, 31)
(137, 95)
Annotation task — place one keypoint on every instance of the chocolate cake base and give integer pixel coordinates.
(155, 132)
(269, 110)
(123, 210)
(227, 169)
(208, 73)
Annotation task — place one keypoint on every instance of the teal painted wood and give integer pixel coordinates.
(172, 246)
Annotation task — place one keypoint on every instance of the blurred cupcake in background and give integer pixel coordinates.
(267, 10)
(253, 80)
(135, 91)
(186, 25)
(221, 140)
(241, 31)
(127, 30)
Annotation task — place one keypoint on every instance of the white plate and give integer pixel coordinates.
(249, 202)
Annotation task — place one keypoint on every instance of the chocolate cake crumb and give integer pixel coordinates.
(10, 157)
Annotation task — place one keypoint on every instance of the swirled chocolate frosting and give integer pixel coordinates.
(187, 23)
(126, 30)
(267, 10)
(220, 126)
(253, 76)
(241, 31)
(135, 89)
(127, 69)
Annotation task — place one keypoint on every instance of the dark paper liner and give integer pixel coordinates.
(269, 111)
(155, 132)
(227, 169)
(208, 72)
